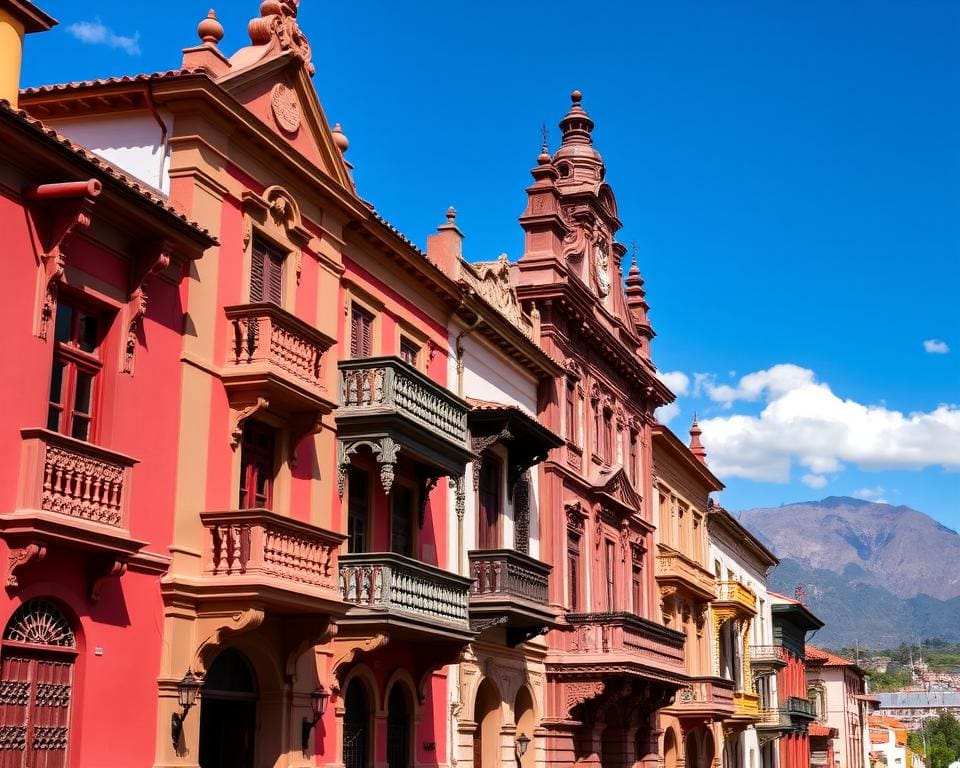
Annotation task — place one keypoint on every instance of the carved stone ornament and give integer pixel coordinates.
(575, 516)
(492, 282)
(277, 26)
(580, 234)
(285, 107)
(20, 557)
(241, 415)
(479, 444)
(577, 693)
(601, 265)
(157, 261)
(385, 450)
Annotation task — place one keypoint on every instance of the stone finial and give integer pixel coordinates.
(576, 124)
(277, 26)
(451, 215)
(210, 30)
(340, 138)
(696, 447)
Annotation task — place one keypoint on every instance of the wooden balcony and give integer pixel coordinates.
(746, 705)
(798, 708)
(772, 719)
(75, 495)
(737, 597)
(620, 643)
(676, 569)
(509, 588)
(767, 659)
(256, 555)
(402, 596)
(276, 356)
(386, 404)
(705, 697)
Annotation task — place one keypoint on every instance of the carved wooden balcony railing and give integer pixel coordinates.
(677, 569)
(275, 355)
(387, 404)
(509, 587)
(389, 589)
(736, 595)
(746, 705)
(800, 708)
(283, 562)
(707, 697)
(767, 659)
(772, 718)
(623, 643)
(73, 494)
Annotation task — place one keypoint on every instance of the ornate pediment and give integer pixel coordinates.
(491, 281)
(613, 489)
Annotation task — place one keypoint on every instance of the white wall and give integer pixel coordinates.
(129, 141)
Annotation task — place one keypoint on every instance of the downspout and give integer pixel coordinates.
(151, 105)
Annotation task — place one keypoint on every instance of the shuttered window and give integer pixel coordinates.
(257, 455)
(409, 352)
(361, 332)
(488, 495)
(266, 274)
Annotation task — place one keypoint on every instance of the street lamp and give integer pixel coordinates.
(318, 705)
(522, 741)
(187, 690)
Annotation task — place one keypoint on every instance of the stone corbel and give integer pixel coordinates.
(346, 651)
(385, 450)
(241, 415)
(155, 261)
(428, 483)
(300, 431)
(57, 211)
(216, 628)
(479, 444)
(300, 634)
(21, 556)
(100, 571)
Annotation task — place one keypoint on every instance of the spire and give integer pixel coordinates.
(577, 161)
(696, 447)
(576, 124)
(637, 303)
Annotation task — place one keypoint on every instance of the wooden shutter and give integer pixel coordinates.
(361, 333)
(266, 274)
(258, 258)
(488, 496)
(274, 277)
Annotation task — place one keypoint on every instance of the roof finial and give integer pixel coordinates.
(210, 29)
(696, 447)
(340, 138)
(451, 215)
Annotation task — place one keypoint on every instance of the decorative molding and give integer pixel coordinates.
(241, 415)
(99, 571)
(521, 514)
(285, 107)
(21, 556)
(278, 28)
(154, 263)
(479, 444)
(217, 627)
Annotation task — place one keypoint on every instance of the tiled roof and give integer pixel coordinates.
(492, 405)
(152, 77)
(819, 729)
(885, 722)
(825, 658)
(101, 166)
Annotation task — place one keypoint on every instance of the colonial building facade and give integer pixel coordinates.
(315, 496)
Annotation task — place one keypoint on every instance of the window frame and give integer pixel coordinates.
(273, 268)
(361, 310)
(249, 474)
(354, 473)
(610, 576)
(400, 487)
(491, 466)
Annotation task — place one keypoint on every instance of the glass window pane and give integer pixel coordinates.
(81, 427)
(56, 381)
(88, 332)
(53, 418)
(63, 323)
(81, 400)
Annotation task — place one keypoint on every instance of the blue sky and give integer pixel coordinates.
(789, 172)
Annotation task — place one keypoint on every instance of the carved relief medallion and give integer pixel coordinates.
(286, 108)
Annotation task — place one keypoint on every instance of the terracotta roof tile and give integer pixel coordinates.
(169, 74)
(827, 659)
(819, 729)
(106, 168)
(492, 405)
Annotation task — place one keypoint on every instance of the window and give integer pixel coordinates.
(597, 428)
(266, 273)
(571, 412)
(257, 456)
(637, 590)
(610, 552)
(488, 498)
(76, 366)
(401, 518)
(409, 352)
(573, 570)
(358, 503)
(361, 332)
(634, 458)
(608, 436)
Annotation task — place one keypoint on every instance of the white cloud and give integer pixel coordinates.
(936, 347)
(667, 412)
(677, 381)
(804, 423)
(814, 481)
(871, 494)
(96, 33)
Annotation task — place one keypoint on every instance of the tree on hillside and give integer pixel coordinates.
(941, 737)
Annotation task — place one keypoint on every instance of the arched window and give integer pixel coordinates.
(357, 726)
(399, 728)
(228, 712)
(36, 683)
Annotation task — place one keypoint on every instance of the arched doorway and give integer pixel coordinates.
(613, 747)
(691, 751)
(486, 741)
(228, 712)
(526, 724)
(357, 726)
(399, 728)
(669, 749)
(708, 749)
(36, 676)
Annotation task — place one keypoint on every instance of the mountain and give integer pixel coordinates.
(875, 573)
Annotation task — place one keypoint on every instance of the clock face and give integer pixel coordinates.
(601, 264)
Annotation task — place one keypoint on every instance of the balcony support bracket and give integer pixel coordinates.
(21, 556)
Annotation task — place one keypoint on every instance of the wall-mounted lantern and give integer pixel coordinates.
(318, 705)
(187, 690)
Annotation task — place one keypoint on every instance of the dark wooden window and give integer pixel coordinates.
(361, 332)
(571, 412)
(608, 453)
(257, 461)
(266, 273)
(609, 564)
(573, 570)
(36, 680)
(78, 332)
(637, 589)
(409, 352)
(401, 519)
(488, 498)
(358, 506)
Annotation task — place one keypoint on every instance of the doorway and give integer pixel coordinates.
(228, 712)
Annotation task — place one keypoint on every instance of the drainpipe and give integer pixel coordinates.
(151, 105)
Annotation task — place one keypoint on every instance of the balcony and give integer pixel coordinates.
(72, 494)
(800, 709)
(509, 588)
(746, 705)
(623, 643)
(386, 405)
(772, 719)
(403, 596)
(707, 697)
(737, 597)
(259, 555)
(767, 659)
(276, 356)
(677, 569)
